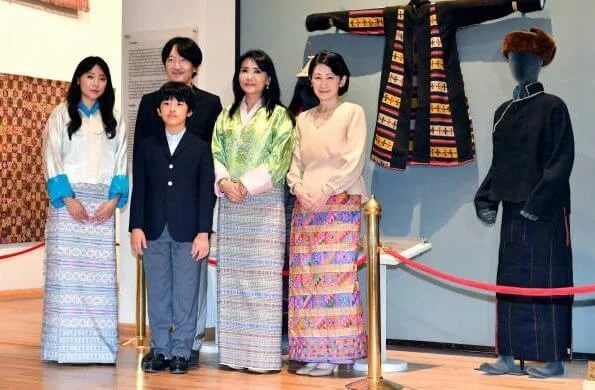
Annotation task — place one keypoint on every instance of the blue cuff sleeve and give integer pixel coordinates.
(119, 186)
(58, 187)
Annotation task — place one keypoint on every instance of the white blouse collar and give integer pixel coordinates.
(246, 115)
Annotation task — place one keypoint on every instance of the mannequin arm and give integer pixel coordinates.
(470, 12)
(485, 208)
(360, 22)
(557, 167)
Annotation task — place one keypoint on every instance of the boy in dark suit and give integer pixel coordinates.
(170, 221)
(182, 59)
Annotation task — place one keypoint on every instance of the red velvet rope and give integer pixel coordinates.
(510, 290)
(30, 249)
(361, 261)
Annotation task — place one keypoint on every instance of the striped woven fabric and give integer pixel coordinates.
(326, 315)
(443, 144)
(251, 245)
(366, 22)
(80, 311)
(389, 107)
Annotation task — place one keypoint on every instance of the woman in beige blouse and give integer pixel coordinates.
(326, 317)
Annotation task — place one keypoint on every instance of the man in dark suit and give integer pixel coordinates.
(182, 57)
(171, 216)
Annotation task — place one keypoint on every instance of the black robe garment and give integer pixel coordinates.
(420, 40)
(531, 165)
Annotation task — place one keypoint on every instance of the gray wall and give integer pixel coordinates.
(437, 202)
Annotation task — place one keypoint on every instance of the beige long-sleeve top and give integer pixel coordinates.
(330, 158)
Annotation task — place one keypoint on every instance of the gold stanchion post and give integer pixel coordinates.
(140, 339)
(589, 384)
(374, 380)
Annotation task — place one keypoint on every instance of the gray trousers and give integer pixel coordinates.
(172, 291)
(201, 321)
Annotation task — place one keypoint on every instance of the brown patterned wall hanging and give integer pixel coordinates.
(25, 104)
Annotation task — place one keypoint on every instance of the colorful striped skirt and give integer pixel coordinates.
(80, 309)
(326, 315)
(251, 244)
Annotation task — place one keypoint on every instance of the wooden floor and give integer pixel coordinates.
(21, 369)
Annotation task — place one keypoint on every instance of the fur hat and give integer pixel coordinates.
(535, 41)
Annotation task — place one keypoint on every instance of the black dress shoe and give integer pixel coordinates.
(178, 365)
(158, 363)
(193, 359)
(146, 359)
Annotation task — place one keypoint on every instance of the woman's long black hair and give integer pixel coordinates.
(271, 96)
(106, 100)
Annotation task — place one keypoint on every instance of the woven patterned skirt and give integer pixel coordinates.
(326, 316)
(80, 310)
(251, 244)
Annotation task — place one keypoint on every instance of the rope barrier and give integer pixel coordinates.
(30, 249)
(22, 252)
(509, 290)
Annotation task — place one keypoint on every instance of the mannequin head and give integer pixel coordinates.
(524, 66)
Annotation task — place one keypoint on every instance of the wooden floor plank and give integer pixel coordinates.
(21, 368)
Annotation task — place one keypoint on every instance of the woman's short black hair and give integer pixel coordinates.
(334, 61)
(180, 91)
(185, 47)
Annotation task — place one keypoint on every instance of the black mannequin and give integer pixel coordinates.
(531, 165)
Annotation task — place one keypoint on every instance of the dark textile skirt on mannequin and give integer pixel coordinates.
(534, 254)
